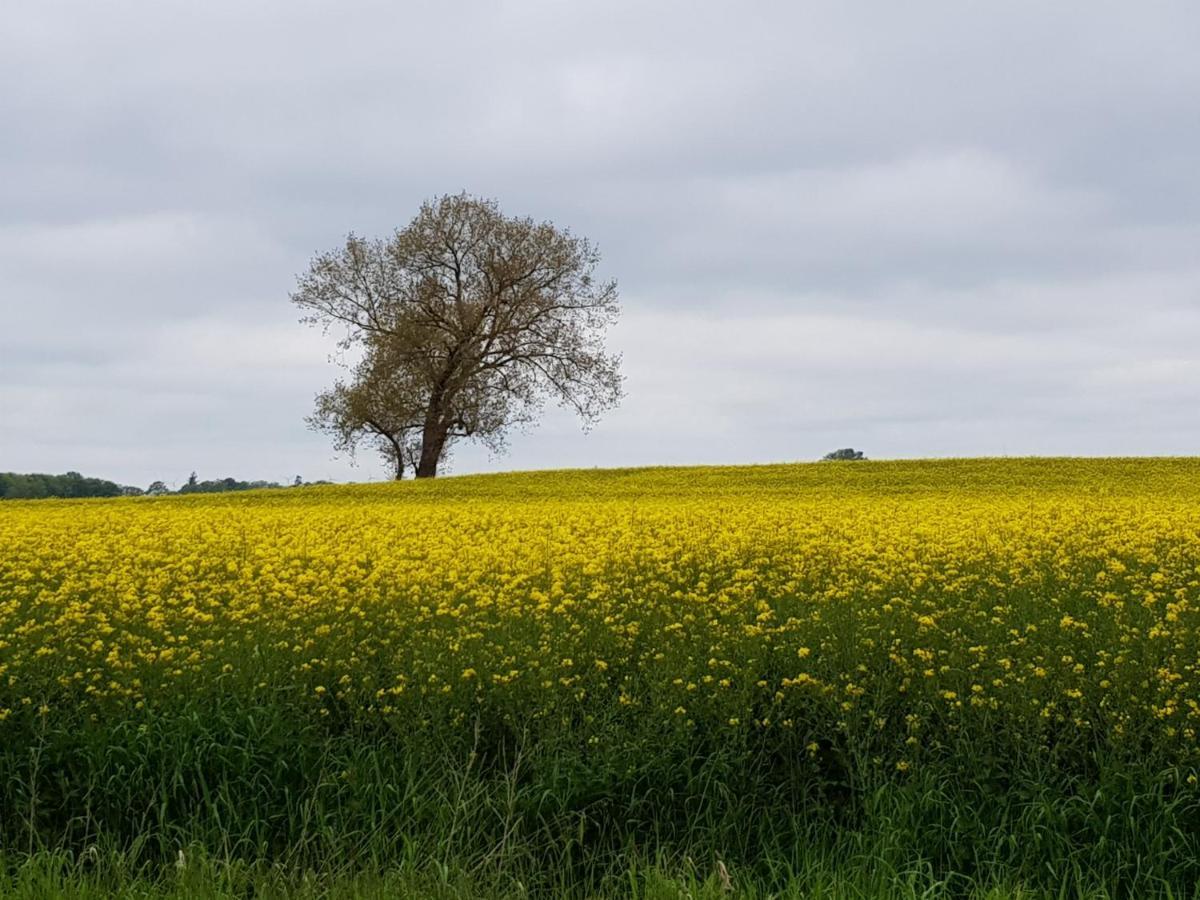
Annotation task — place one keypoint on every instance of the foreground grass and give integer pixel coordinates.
(48, 876)
(943, 679)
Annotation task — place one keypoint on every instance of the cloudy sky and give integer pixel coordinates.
(920, 229)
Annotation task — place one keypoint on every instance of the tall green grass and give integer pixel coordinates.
(248, 801)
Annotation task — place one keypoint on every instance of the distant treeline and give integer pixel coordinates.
(14, 486)
(219, 486)
(37, 486)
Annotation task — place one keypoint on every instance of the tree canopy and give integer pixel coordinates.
(466, 322)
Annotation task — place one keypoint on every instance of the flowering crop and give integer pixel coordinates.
(888, 606)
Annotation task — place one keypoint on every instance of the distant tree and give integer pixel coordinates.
(298, 481)
(157, 488)
(128, 490)
(14, 486)
(848, 453)
(21, 487)
(223, 485)
(468, 321)
(191, 482)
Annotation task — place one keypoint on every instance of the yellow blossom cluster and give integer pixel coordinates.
(904, 600)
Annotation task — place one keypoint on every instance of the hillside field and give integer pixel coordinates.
(936, 678)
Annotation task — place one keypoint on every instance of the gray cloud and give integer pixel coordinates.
(926, 229)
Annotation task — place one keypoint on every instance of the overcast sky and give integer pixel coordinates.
(918, 229)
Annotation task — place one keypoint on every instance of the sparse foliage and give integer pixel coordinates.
(467, 322)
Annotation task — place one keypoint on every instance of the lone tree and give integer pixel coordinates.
(467, 322)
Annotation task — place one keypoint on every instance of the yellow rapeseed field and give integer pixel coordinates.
(899, 603)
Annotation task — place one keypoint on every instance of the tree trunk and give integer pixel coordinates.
(427, 467)
(397, 454)
(433, 441)
(436, 426)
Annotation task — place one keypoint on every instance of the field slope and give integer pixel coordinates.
(918, 678)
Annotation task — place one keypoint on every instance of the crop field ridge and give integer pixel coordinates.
(939, 678)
